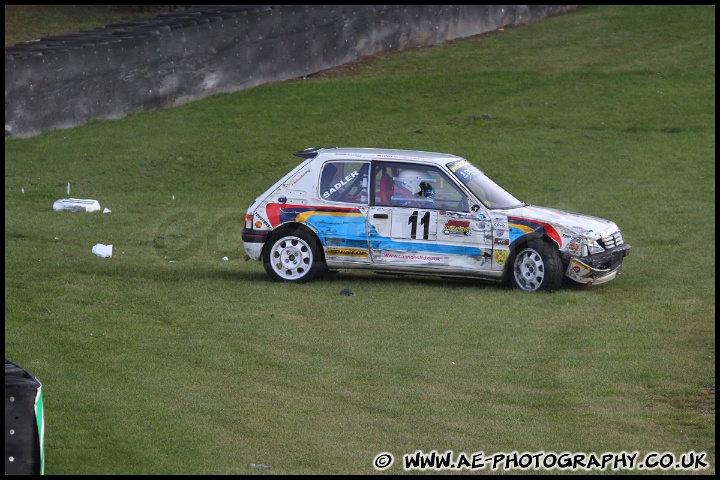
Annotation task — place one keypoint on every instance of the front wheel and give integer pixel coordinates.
(536, 266)
(292, 257)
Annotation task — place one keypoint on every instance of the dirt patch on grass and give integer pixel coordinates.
(703, 402)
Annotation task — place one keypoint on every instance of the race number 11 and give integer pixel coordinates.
(415, 224)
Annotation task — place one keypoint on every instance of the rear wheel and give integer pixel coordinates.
(536, 266)
(293, 256)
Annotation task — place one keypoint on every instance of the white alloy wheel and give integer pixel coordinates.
(537, 266)
(529, 270)
(292, 258)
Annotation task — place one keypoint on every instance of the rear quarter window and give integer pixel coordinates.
(343, 181)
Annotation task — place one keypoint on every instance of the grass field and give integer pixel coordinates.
(24, 23)
(165, 360)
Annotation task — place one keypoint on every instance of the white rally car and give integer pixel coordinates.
(413, 212)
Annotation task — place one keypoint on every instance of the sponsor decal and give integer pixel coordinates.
(412, 258)
(454, 214)
(502, 241)
(500, 232)
(497, 224)
(264, 222)
(456, 227)
(340, 184)
(500, 256)
(573, 247)
(346, 252)
(578, 270)
(404, 157)
(528, 225)
(299, 177)
(458, 164)
(481, 216)
(464, 170)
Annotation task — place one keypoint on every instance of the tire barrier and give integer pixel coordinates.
(24, 422)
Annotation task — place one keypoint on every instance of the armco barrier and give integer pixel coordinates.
(182, 56)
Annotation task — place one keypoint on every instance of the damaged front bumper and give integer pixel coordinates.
(597, 269)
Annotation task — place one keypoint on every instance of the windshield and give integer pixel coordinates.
(488, 192)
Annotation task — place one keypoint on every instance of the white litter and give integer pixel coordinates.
(107, 210)
(76, 205)
(224, 259)
(101, 250)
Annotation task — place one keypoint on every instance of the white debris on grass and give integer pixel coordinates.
(101, 250)
(76, 205)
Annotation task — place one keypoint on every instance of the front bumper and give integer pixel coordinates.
(597, 269)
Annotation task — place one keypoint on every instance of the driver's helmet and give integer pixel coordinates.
(415, 181)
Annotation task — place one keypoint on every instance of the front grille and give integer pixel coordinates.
(613, 240)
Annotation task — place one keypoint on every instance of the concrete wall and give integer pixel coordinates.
(179, 57)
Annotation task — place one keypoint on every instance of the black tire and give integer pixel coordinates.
(536, 266)
(292, 256)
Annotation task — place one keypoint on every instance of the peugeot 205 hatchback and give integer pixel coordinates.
(413, 212)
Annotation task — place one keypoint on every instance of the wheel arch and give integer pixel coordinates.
(521, 243)
(287, 227)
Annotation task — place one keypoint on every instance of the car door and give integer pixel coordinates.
(339, 219)
(433, 230)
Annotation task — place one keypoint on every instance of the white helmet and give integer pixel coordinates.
(410, 180)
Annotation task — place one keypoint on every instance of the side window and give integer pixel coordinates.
(342, 181)
(384, 180)
(407, 185)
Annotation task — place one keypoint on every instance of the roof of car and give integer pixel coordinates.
(375, 153)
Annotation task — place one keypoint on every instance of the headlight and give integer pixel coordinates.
(593, 247)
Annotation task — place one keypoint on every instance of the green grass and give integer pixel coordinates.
(163, 359)
(24, 23)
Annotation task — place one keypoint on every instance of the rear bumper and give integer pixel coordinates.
(253, 241)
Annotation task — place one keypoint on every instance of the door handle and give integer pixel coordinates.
(380, 215)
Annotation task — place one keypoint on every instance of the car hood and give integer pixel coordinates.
(579, 223)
